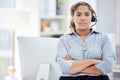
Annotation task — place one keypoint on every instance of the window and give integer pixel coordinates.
(5, 51)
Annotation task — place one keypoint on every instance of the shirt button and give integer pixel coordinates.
(84, 49)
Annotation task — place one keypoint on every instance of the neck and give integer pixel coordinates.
(83, 32)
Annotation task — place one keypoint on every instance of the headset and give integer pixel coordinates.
(94, 19)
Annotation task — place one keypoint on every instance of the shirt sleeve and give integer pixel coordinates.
(108, 57)
(62, 52)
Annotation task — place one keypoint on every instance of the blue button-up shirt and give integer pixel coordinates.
(96, 46)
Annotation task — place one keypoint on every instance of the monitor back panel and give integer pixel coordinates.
(36, 51)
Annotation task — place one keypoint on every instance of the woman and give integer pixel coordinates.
(84, 54)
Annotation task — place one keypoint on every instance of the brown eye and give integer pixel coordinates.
(78, 14)
(87, 14)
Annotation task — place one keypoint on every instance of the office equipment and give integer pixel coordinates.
(43, 73)
(35, 51)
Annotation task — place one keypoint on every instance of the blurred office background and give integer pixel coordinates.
(50, 18)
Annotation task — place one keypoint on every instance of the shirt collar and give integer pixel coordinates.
(91, 31)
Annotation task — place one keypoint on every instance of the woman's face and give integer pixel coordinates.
(82, 18)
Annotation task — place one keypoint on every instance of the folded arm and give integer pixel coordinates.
(84, 66)
(92, 70)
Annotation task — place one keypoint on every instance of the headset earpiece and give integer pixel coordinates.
(93, 18)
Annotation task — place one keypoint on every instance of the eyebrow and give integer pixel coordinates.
(85, 12)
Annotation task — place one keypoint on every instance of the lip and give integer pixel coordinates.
(82, 23)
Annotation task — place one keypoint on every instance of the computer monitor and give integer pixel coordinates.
(35, 51)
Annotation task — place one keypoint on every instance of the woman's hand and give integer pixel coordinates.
(67, 57)
(96, 61)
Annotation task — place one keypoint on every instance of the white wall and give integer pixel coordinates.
(33, 7)
(106, 16)
(118, 23)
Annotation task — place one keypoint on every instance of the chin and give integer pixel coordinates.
(83, 29)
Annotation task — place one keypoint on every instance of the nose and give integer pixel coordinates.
(82, 17)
